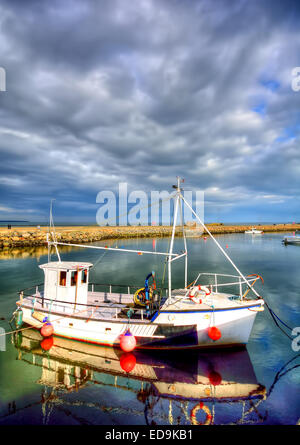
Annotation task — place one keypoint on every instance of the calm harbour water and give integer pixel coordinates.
(73, 383)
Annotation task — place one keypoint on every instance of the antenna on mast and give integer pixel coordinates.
(177, 187)
(52, 233)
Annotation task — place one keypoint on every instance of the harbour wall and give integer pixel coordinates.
(30, 236)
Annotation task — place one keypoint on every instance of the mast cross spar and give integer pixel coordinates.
(55, 243)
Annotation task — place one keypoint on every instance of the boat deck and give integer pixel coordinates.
(99, 301)
(216, 300)
(100, 305)
(115, 306)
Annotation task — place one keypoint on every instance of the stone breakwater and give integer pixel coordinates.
(30, 236)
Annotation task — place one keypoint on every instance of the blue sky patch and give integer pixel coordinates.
(261, 109)
(270, 84)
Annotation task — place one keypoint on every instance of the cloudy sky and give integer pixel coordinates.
(107, 91)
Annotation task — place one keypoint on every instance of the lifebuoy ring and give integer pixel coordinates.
(205, 289)
(139, 297)
(195, 293)
(198, 407)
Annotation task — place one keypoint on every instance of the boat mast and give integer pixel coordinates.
(170, 259)
(185, 245)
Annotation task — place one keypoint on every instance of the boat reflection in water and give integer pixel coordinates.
(188, 389)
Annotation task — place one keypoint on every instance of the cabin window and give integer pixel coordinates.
(84, 276)
(62, 278)
(60, 375)
(74, 275)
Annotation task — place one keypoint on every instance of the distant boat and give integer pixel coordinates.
(253, 231)
(293, 239)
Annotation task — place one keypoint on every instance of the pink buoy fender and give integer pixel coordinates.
(47, 330)
(127, 341)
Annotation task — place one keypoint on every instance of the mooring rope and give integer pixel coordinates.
(274, 316)
(280, 373)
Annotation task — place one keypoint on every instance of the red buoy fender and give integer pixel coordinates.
(214, 333)
(47, 343)
(127, 361)
(214, 378)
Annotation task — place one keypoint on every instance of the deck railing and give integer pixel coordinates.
(213, 281)
(93, 287)
(214, 287)
(93, 310)
(117, 288)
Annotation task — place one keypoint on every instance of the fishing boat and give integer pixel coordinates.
(215, 310)
(198, 385)
(292, 239)
(253, 231)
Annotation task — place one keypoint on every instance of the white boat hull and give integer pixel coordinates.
(169, 330)
(291, 240)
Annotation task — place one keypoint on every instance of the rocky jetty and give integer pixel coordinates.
(30, 236)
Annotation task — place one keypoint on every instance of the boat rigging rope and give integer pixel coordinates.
(164, 273)
(219, 246)
(103, 255)
(274, 316)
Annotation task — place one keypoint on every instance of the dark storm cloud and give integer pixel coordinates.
(105, 92)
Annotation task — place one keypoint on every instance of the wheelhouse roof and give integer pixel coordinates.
(65, 265)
